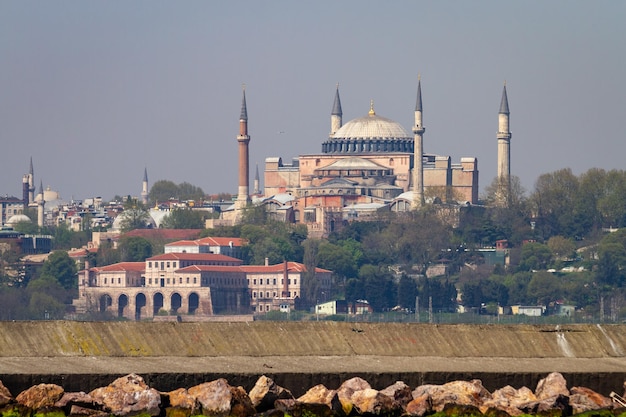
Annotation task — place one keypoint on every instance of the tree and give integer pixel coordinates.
(337, 259)
(62, 268)
(535, 256)
(183, 219)
(407, 291)
(164, 190)
(134, 249)
(378, 286)
(553, 200)
(544, 287)
(561, 247)
(134, 216)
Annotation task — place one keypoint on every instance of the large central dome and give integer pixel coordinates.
(370, 127)
(369, 134)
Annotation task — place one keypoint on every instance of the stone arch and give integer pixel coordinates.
(122, 305)
(140, 305)
(194, 302)
(176, 302)
(157, 303)
(105, 302)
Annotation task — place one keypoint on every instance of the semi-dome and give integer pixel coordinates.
(369, 134)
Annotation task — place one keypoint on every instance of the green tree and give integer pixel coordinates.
(134, 216)
(544, 288)
(337, 259)
(183, 219)
(553, 200)
(134, 249)
(163, 190)
(62, 268)
(407, 291)
(379, 287)
(535, 256)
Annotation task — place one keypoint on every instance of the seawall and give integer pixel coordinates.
(84, 355)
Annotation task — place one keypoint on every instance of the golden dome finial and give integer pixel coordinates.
(372, 112)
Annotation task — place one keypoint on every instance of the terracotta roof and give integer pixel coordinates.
(291, 267)
(165, 234)
(122, 266)
(222, 241)
(194, 257)
(209, 268)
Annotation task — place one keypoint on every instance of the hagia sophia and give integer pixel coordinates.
(365, 165)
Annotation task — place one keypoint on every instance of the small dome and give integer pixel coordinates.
(18, 218)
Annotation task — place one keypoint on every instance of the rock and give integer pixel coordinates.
(349, 387)
(219, 399)
(80, 399)
(551, 386)
(419, 406)
(5, 395)
(40, 396)
(509, 399)
(400, 392)
(584, 399)
(265, 392)
(78, 411)
(129, 395)
(371, 401)
(553, 406)
(295, 408)
(181, 403)
(319, 394)
(456, 392)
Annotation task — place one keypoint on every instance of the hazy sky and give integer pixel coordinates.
(95, 91)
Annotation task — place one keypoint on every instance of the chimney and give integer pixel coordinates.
(267, 261)
(285, 279)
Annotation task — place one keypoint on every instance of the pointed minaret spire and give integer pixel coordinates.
(504, 103)
(243, 139)
(336, 114)
(257, 189)
(418, 150)
(504, 152)
(418, 103)
(31, 171)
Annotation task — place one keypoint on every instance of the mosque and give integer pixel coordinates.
(368, 164)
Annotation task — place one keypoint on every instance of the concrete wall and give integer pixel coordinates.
(263, 338)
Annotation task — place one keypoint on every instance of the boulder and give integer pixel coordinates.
(419, 406)
(509, 400)
(129, 395)
(5, 395)
(551, 386)
(80, 400)
(371, 401)
(584, 399)
(295, 408)
(78, 411)
(181, 403)
(265, 392)
(400, 392)
(40, 396)
(553, 406)
(319, 394)
(219, 399)
(349, 387)
(456, 392)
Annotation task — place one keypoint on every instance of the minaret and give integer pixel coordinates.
(336, 114)
(504, 152)
(25, 191)
(418, 151)
(257, 189)
(244, 164)
(31, 183)
(40, 207)
(144, 187)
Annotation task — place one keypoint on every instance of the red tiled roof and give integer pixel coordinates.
(122, 266)
(194, 257)
(291, 267)
(221, 241)
(165, 234)
(209, 268)
(184, 243)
